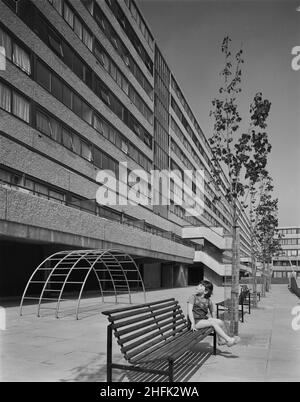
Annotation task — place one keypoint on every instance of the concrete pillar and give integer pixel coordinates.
(152, 276)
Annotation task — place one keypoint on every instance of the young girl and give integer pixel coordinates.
(199, 305)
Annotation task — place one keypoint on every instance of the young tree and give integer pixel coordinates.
(242, 155)
(266, 229)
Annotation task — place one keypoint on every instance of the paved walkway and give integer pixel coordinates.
(48, 349)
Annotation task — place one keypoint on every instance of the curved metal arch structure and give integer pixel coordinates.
(115, 271)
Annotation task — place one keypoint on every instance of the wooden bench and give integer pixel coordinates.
(244, 300)
(152, 332)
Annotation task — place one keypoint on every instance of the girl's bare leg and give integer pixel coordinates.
(216, 324)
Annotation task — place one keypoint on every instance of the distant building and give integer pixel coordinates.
(84, 87)
(289, 260)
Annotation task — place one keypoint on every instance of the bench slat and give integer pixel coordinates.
(144, 340)
(173, 348)
(111, 312)
(144, 317)
(136, 333)
(140, 311)
(156, 341)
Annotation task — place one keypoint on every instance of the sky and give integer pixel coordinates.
(189, 35)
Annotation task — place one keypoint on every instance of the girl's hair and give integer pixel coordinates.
(209, 287)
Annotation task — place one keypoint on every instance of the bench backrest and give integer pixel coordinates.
(141, 329)
(243, 295)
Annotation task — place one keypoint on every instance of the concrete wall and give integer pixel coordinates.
(212, 276)
(27, 209)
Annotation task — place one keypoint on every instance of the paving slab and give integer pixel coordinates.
(36, 349)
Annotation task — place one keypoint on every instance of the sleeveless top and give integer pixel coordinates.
(200, 307)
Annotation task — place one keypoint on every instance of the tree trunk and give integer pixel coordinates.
(268, 277)
(263, 278)
(253, 267)
(234, 311)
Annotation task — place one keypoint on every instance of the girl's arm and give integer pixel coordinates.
(191, 316)
(211, 309)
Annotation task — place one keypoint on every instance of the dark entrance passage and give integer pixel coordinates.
(195, 274)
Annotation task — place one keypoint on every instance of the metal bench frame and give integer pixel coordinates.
(244, 300)
(168, 343)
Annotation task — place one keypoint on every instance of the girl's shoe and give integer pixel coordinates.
(233, 341)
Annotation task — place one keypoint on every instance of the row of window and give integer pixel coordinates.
(175, 148)
(161, 90)
(28, 184)
(284, 274)
(286, 242)
(55, 85)
(129, 31)
(191, 152)
(94, 46)
(291, 253)
(162, 68)
(120, 48)
(140, 22)
(14, 103)
(187, 108)
(36, 22)
(15, 53)
(286, 263)
(180, 212)
(289, 231)
(74, 21)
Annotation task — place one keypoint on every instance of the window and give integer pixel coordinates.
(43, 75)
(78, 27)
(67, 96)
(68, 15)
(87, 39)
(5, 42)
(5, 98)
(21, 59)
(55, 129)
(98, 123)
(113, 71)
(55, 43)
(78, 67)
(67, 139)
(57, 196)
(98, 158)
(21, 107)
(76, 144)
(86, 151)
(77, 105)
(105, 96)
(41, 190)
(57, 88)
(42, 123)
(87, 113)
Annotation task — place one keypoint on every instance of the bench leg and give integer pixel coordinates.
(217, 311)
(215, 343)
(109, 354)
(171, 370)
(249, 304)
(242, 312)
